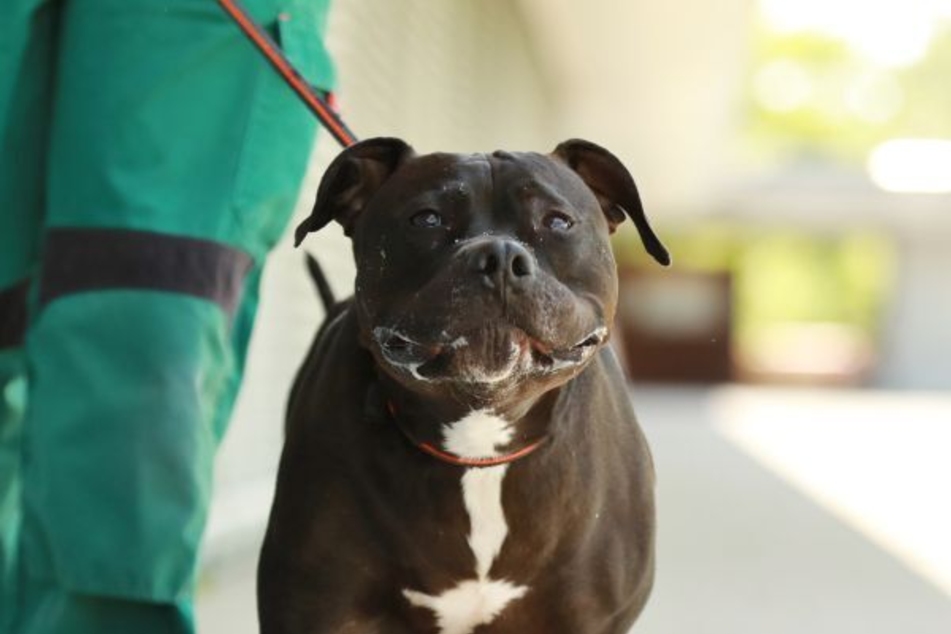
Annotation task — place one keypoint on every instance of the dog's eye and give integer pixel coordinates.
(427, 219)
(558, 221)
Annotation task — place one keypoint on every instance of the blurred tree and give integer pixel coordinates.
(813, 97)
(927, 88)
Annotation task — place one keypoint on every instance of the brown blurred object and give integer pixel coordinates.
(675, 325)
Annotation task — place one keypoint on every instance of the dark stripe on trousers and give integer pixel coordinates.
(13, 315)
(91, 259)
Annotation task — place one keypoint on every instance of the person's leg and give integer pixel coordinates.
(27, 36)
(12, 402)
(176, 156)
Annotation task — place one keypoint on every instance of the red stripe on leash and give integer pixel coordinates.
(259, 37)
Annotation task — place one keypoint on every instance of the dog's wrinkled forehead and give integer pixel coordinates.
(451, 175)
(487, 181)
(532, 175)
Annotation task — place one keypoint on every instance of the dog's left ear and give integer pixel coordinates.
(351, 180)
(614, 188)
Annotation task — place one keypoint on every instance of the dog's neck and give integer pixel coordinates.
(469, 430)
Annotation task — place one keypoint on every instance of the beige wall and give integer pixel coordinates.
(657, 83)
(459, 76)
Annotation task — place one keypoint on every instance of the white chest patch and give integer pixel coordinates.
(477, 435)
(478, 601)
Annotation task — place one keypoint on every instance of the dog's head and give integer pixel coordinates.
(487, 274)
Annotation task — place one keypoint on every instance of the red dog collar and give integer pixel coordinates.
(460, 461)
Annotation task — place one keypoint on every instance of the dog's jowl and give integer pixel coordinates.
(461, 452)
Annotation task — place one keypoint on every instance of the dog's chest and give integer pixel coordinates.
(480, 598)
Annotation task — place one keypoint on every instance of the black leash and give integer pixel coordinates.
(311, 97)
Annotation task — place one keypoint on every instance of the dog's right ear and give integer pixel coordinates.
(351, 180)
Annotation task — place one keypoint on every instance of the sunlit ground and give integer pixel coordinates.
(879, 462)
(785, 511)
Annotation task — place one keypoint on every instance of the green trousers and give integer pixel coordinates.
(150, 160)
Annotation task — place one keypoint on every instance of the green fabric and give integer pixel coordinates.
(136, 123)
(164, 119)
(242, 324)
(130, 394)
(26, 57)
(12, 406)
(56, 610)
(119, 439)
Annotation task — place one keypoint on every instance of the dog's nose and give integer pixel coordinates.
(502, 262)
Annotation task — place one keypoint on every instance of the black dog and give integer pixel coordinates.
(461, 452)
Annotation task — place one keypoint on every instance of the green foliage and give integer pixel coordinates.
(849, 104)
(783, 275)
(798, 277)
(711, 248)
(927, 89)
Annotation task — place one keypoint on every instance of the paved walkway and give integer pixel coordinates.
(781, 511)
(768, 509)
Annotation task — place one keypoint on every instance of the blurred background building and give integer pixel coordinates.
(792, 367)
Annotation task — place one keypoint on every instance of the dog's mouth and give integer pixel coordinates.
(489, 356)
(555, 359)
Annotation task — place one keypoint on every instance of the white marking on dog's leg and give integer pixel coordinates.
(478, 601)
